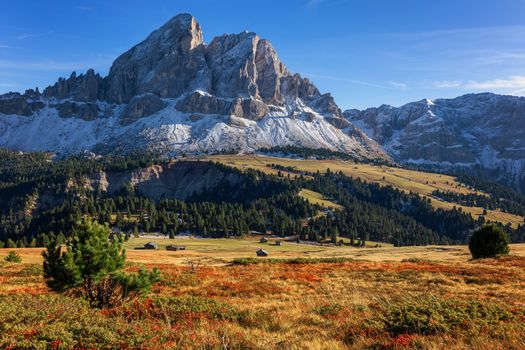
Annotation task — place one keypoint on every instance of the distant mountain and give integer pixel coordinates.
(484, 133)
(174, 93)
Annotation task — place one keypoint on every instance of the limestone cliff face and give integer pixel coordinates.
(177, 180)
(471, 131)
(172, 92)
(168, 63)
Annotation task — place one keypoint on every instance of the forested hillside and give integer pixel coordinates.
(42, 197)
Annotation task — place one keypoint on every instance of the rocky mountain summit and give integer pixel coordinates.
(484, 133)
(172, 92)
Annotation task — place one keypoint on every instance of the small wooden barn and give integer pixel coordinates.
(151, 245)
(175, 247)
(261, 253)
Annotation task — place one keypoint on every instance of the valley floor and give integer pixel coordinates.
(383, 298)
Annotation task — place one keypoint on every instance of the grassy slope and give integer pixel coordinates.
(423, 183)
(318, 198)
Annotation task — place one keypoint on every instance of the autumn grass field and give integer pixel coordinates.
(318, 198)
(420, 182)
(217, 295)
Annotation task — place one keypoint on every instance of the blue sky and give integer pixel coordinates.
(364, 52)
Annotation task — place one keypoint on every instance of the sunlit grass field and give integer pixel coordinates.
(432, 297)
(420, 182)
(318, 198)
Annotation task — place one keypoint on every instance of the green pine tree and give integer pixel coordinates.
(93, 264)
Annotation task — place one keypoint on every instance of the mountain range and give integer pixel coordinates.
(481, 133)
(176, 94)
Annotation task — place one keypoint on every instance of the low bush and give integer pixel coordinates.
(13, 257)
(431, 315)
(487, 242)
(173, 309)
(45, 321)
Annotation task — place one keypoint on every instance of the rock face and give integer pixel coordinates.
(15, 103)
(85, 111)
(174, 93)
(85, 88)
(484, 131)
(140, 107)
(168, 63)
(177, 180)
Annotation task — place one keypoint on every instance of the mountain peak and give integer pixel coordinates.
(183, 25)
(173, 92)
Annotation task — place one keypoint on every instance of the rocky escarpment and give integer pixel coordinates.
(174, 93)
(482, 131)
(15, 103)
(177, 180)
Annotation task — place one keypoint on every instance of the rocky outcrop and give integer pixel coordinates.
(85, 111)
(177, 180)
(201, 102)
(87, 87)
(140, 107)
(471, 131)
(17, 104)
(249, 108)
(243, 64)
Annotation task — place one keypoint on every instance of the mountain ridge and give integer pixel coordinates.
(483, 132)
(173, 93)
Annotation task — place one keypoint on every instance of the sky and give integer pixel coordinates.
(364, 52)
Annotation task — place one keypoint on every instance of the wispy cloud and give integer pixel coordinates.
(389, 85)
(447, 84)
(398, 85)
(352, 81)
(510, 83)
(472, 31)
(52, 65)
(500, 57)
(5, 47)
(515, 83)
(33, 35)
(85, 8)
(8, 85)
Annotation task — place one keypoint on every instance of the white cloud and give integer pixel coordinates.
(516, 83)
(398, 85)
(447, 84)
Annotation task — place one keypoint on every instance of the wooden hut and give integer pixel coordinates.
(175, 247)
(261, 253)
(151, 245)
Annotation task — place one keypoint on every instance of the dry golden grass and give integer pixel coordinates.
(420, 182)
(303, 306)
(318, 198)
(220, 252)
